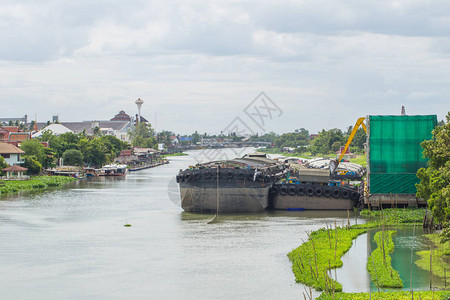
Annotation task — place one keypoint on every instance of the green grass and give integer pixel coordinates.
(360, 160)
(379, 263)
(440, 257)
(312, 260)
(398, 295)
(393, 217)
(306, 155)
(37, 182)
(175, 154)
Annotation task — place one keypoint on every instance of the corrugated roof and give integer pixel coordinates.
(88, 125)
(10, 149)
(79, 127)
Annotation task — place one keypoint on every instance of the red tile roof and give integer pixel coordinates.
(14, 168)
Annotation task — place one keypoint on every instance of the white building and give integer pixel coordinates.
(11, 154)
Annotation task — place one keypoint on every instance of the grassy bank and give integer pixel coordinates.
(360, 160)
(175, 154)
(312, 261)
(306, 155)
(392, 217)
(440, 257)
(379, 263)
(400, 295)
(37, 182)
(314, 258)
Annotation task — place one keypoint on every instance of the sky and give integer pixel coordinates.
(201, 65)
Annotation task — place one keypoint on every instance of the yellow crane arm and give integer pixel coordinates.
(359, 122)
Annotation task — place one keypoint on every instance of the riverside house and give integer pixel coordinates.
(11, 154)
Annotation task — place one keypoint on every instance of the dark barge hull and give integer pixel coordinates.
(231, 200)
(312, 197)
(237, 191)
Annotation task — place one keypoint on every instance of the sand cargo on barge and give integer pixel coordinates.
(239, 185)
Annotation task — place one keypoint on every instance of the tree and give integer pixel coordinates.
(195, 137)
(434, 183)
(73, 157)
(142, 136)
(96, 131)
(267, 137)
(299, 138)
(31, 162)
(358, 141)
(34, 147)
(3, 164)
(327, 141)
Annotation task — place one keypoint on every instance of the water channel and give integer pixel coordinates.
(71, 244)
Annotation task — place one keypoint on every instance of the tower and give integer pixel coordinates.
(139, 103)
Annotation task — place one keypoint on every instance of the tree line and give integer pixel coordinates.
(80, 149)
(434, 183)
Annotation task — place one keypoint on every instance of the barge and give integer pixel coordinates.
(313, 189)
(239, 185)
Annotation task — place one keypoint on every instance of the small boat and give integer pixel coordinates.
(91, 172)
(113, 170)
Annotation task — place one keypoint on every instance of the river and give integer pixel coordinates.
(72, 243)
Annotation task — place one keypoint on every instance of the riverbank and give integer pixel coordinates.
(147, 166)
(174, 154)
(437, 259)
(37, 182)
(402, 295)
(314, 260)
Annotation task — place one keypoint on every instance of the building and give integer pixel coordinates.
(13, 135)
(11, 154)
(138, 156)
(119, 129)
(6, 121)
(121, 116)
(56, 129)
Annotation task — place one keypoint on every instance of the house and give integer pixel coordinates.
(11, 154)
(56, 129)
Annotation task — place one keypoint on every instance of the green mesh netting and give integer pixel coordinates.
(395, 153)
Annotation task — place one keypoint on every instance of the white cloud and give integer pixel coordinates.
(205, 60)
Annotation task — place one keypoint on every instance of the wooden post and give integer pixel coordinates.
(431, 266)
(445, 278)
(411, 264)
(348, 219)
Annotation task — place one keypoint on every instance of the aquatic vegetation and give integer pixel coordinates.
(398, 295)
(313, 260)
(440, 257)
(379, 263)
(37, 182)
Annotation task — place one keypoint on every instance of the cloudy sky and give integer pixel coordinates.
(198, 64)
